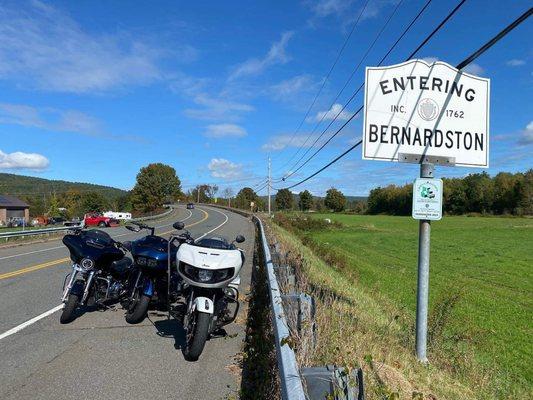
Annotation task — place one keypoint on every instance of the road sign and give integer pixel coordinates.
(427, 199)
(425, 109)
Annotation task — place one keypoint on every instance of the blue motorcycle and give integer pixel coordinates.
(153, 280)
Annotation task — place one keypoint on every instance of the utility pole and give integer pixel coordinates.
(198, 193)
(268, 185)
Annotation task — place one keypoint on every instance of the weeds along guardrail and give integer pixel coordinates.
(6, 236)
(291, 384)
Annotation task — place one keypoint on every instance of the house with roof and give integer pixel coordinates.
(11, 206)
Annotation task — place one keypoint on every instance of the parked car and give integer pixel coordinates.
(96, 219)
(56, 221)
(120, 215)
(15, 222)
(190, 206)
(73, 222)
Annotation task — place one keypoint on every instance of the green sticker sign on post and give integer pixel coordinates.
(427, 199)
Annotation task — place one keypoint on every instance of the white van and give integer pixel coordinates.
(118, 215)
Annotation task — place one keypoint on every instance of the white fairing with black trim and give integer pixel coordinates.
(210, 259)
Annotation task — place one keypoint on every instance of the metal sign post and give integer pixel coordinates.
(422, 299)
(429, 114)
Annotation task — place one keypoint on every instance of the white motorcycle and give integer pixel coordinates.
(210, 269)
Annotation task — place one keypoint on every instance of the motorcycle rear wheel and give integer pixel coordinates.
(68, 311)
(197, 338)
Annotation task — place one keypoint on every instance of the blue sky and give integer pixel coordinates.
(93, 91)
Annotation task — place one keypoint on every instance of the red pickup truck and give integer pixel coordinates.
(95, 219)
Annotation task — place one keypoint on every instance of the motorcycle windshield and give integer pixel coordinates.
(94, 244)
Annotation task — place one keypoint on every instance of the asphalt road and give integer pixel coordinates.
(100, 356)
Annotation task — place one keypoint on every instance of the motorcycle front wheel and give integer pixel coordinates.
(197, 333)
(70, 306)
(138, 309)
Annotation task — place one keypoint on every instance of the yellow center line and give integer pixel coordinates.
(206, 215)
(33, 268)
(62, 260)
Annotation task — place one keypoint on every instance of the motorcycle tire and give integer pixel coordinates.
(68, 311)
(194, 348)
(138, 313)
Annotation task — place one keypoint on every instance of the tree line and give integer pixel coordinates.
(505, 193)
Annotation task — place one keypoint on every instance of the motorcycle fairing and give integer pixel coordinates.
(209, 258)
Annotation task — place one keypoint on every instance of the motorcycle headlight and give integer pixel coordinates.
(86, 264)
(205, 275)
(146, 262)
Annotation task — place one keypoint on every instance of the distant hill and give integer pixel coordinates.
(296, 198)
(29, 186)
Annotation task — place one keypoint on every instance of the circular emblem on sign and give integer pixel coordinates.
(428, 109)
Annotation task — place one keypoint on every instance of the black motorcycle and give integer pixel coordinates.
(153, 278)
(101, 272)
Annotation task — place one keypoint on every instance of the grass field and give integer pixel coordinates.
(481, 288)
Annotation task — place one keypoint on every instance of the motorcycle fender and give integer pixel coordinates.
(78, 288)
(148, 287)
(204, 304)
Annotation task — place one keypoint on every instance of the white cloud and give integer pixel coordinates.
(526, 136)
(515, 62)
(20, 160)
(474, 69)
(224, 169)
(293, 86)
(56, 120)
(342, 9)
(225, 130)
(276, 55)
(216, 108)
(332, 113)
(50, 119)
(45, 48)
(325, 8)
(280, 142)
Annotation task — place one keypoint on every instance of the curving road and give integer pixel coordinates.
(100, 356)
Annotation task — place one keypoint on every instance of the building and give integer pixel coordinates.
(12, 207)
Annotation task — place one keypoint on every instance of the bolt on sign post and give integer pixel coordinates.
(428, 114)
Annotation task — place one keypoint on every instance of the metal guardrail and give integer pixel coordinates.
(44, 231)
(291, 382)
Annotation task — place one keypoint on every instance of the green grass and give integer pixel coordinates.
(486, 262)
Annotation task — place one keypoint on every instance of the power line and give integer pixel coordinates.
(459, 66)
(345, 85)
(327, 165)
(339, 53)
(407, 28)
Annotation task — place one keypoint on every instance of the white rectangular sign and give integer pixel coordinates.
(427, 199)
(426, 109)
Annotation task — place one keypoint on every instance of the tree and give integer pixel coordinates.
(53, 209)
(228, 195)
(94, 202)
(245, 197)
(306, 200)
(156, 184)
(204, 193)
(284, 199)
(335, 200)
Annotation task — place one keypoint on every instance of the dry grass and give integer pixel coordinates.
(355, 328)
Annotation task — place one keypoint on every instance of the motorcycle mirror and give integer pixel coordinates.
(133, 228)
(240, 239)
(178, 225)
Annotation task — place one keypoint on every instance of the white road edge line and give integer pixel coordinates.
(214, 229)
(30, 322)
(20, 327)
(61, 247)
